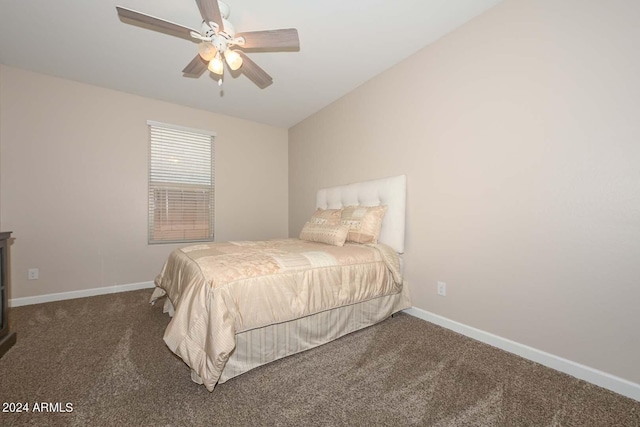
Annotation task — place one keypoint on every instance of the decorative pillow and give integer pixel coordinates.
(326, 216)
(324, 233)
(364, 222)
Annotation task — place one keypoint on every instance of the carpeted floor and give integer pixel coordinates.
(105, 356)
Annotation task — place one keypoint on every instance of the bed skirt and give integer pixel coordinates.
(260, 346)
(257, 347)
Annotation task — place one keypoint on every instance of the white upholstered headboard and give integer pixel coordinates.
(387, 191)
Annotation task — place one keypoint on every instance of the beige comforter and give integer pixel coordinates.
(220, 289)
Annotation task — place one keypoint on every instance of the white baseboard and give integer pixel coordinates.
(17, 302)
(593, 376)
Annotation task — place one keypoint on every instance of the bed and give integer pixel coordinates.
(239, 305)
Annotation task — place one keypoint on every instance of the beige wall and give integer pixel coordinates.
(520, 136)
(74, 181)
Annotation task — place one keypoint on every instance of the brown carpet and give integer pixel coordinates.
(105, 356)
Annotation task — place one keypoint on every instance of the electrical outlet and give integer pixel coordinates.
(442, 289)
(33, 274)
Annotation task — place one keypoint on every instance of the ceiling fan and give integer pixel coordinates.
(218, 39)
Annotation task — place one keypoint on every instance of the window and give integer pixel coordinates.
(181, 184)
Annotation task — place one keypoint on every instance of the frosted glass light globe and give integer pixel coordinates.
(216, 66)
(233, 58)
(207, 51)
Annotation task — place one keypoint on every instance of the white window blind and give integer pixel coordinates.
(181, 184)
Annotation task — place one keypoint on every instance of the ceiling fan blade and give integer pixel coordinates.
(210, 11)
(156, 23)
(271, 39)
(195, 68)
(254, 72)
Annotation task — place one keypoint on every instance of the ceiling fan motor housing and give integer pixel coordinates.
(220, 39)
(225, 10)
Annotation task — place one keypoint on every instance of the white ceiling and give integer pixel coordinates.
(343, 43)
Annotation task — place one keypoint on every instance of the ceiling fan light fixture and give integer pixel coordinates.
(233, 58)
(216, 66)
(207, 51)
(216, 36)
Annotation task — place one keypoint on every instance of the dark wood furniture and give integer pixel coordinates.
(7, 338)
